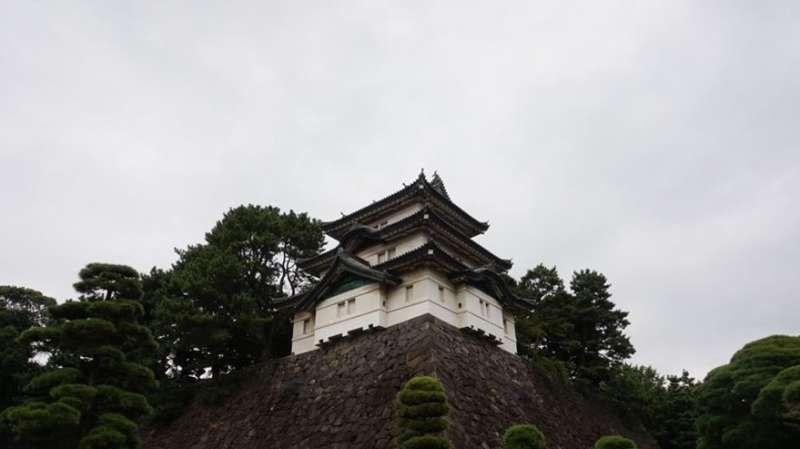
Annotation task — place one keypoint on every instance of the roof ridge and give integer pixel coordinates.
(405, 188)
(433, 193)
(438, 184)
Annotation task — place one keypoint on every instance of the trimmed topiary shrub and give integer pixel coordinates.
(615, 442)
(523, 436)
(422, 409)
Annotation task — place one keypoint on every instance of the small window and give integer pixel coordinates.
(340, 309)
(441, 294)
(505, 325)
(351, 306)
(409, 293)
(488, 308)
(390, 253)
(306, 326)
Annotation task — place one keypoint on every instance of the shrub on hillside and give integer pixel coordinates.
(614, 442)
(523, 436)
(422, 409)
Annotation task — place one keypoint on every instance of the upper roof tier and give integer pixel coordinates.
(358, 237)
(433, 194)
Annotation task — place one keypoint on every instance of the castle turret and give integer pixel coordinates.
(406, 255)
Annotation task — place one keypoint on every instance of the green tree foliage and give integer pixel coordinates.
(93, 392)
(541, 331)
(614, 442)
(599, 328)
(20, 308)
(581, 329)
(675, 414)
(752, 402)
(666, 406)
(213, 309)
(422, 409)
(523, 436)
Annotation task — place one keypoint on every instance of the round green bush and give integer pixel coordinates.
(615, 442)
(523, 436)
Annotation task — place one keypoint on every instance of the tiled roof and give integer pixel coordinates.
(433, 194)
(359, 236)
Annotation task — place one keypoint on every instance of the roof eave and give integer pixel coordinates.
(335, 228)
(344, 263)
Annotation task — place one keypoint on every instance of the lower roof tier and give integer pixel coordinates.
(345, 266)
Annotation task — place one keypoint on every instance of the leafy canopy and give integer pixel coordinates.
(213, 309)
(753, 402)
(665, 405)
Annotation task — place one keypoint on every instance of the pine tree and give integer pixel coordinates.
(92, 393)
(541, 282)
(213, 310)
(581, 330)
(598, 326)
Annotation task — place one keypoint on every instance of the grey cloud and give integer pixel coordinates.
(656, 141)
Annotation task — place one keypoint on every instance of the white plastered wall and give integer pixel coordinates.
(401, 247)
(422, 292)
(397, 216)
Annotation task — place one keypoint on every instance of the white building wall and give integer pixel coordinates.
(397, 216)
(483, 312)
(422, 292)
(335, 316)
(303, 333)
(402, 246)
(510, 337)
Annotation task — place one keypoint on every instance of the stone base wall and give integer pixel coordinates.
(342, 397)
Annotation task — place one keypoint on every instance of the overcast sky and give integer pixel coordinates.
(655, 141)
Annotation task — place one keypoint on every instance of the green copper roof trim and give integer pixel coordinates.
(347, 283)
